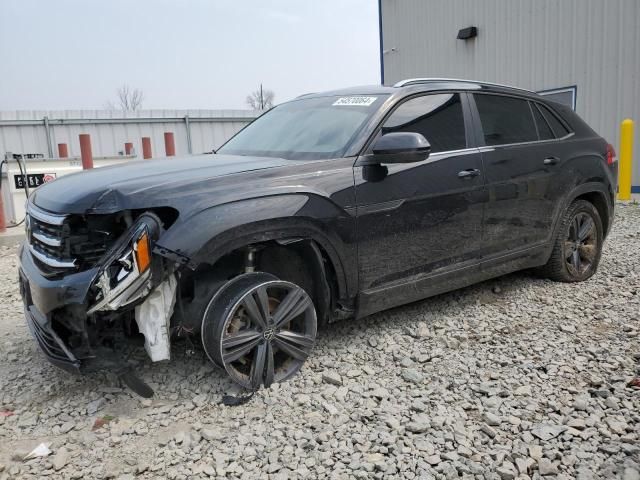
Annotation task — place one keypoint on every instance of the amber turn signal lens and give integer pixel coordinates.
(143, 255)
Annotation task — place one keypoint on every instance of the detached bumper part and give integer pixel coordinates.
(52, 346)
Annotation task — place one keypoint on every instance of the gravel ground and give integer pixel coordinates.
(516, 377)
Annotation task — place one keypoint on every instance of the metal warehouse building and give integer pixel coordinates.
(585, 53)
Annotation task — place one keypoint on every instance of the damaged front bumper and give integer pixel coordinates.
(42, 297)
(92, 320)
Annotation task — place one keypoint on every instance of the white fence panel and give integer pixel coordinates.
(28, 132)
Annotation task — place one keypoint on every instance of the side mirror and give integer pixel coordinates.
(399, 147)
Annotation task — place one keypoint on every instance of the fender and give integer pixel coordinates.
(590, 187)
(584, 172)
(211, 233)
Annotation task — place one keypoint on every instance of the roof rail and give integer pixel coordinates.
(418, 81)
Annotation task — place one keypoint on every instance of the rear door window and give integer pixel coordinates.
(556, 125)
(505, 120)
(438, 118)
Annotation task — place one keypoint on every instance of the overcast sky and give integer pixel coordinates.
(73, 54)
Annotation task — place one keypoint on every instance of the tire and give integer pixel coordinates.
(223, 296)
(259, 329)
(578, 246)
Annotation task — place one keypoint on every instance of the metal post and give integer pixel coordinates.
(47, 132)
(63, 150)
(128, 148)
(85, 151)
(169, 144)
(188, 126)
(626, 163)
(3, 222)
(146, 148)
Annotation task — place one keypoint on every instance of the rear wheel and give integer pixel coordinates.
(259, 329)
(578, 247)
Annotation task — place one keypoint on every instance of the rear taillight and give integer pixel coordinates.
(611, 154)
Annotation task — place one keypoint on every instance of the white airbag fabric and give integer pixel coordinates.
(153, 317)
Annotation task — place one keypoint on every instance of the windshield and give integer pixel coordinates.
(312, 128)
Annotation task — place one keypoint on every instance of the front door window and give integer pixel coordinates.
(438, 118)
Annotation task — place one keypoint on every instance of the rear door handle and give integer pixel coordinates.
(551, 160)
(471, 172)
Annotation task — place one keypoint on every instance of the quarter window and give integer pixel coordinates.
(437, 117)
(558, 128)
(505, 119)
(544, 130)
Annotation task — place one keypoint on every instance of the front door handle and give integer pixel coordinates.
(551, 160)
(471, 172)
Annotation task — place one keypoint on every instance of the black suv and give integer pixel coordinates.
(331, 206)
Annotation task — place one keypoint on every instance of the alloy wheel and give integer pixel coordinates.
(266, 334)
(581, 244)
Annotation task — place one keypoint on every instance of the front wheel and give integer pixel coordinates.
(259, 329)
(578, 247)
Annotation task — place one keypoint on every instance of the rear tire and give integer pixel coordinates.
(578, 246)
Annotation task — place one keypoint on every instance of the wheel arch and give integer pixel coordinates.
(598, 200)
(298, 229)
(288, 233)
(299, 259)
(594, 192)
(599, 197)
(205, 237)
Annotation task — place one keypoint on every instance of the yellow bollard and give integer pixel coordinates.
(626, 151)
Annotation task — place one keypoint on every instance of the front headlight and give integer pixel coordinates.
(125, 274)
(142, 249)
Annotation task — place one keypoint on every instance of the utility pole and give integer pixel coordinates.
(261, 99)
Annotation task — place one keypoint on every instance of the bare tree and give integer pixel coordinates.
(128, 99)
(261, 99)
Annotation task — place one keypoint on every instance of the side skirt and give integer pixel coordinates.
(424, 286)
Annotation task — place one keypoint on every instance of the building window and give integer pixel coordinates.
(564, 95)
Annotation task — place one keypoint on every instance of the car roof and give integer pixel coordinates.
(418, 85)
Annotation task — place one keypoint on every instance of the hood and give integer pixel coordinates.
(142, 183)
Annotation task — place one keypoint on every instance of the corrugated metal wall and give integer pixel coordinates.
(25, 132)
(533, 44)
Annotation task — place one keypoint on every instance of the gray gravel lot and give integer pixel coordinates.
(516, 377)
